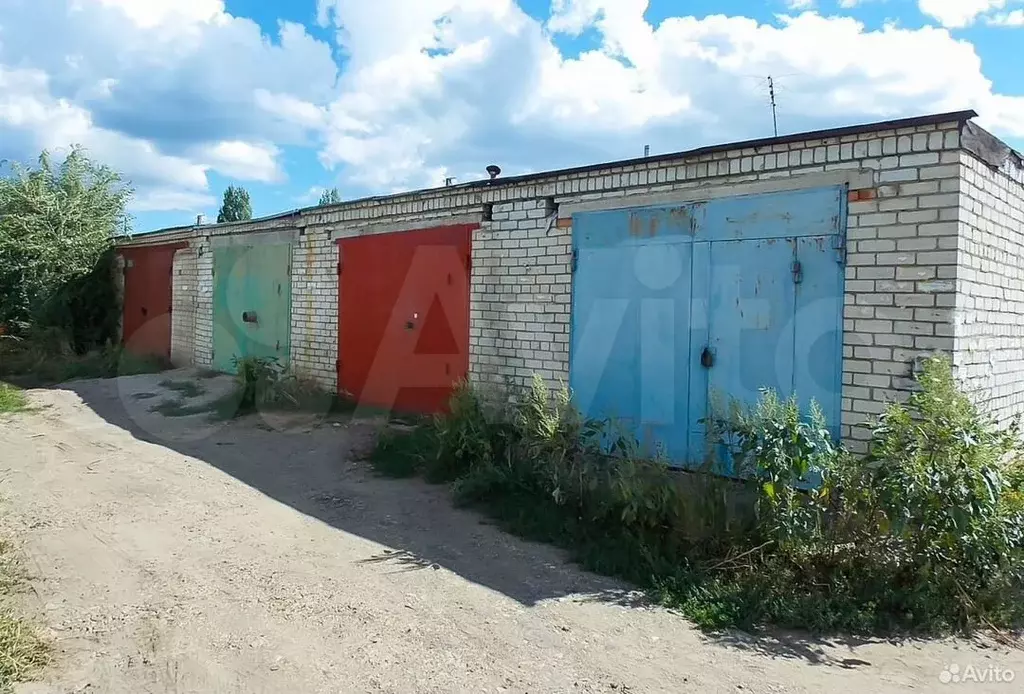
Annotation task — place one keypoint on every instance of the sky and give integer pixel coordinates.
(289, 97)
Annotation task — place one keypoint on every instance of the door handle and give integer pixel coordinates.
(249, 317)
(707, 358)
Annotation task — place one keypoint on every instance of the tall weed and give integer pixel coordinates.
(924, 533)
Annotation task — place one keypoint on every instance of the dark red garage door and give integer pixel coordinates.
(404, 317)
(147, 299)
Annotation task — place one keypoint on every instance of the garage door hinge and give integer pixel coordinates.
(839, 245)
(339, 268)
(798, 272)
(575, 259)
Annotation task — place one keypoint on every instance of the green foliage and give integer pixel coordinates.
(787, 454)
(11, 399)
(404, 452)
(329, 197)
(57, 224)
(263, 384)
(236, 206)
(938, 487)
(926, 533)
(45, 358)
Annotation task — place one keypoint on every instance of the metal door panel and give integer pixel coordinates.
(757, 280)
(810, 212)
(251, 304)
(818, 327)
(403, 305)
(631, 323)
(268, 296)
(146, 305)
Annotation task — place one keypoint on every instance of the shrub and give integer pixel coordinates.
(57, 225)
(927, 532)
(263, 384)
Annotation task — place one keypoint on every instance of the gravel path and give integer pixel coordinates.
(259, 556)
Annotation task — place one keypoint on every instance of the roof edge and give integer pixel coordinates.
(858, 129)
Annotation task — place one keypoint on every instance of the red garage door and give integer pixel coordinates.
(403, 301)
(147, 299)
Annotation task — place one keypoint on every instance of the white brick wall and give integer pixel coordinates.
(314, 317)
(183, 307)
(903, 265)
(989, 351)
(204, 303)
(520, 295)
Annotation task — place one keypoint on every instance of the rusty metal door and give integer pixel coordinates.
(148, 278)
(678, 310)
(403, 301)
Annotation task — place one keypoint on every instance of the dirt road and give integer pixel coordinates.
(172, 555)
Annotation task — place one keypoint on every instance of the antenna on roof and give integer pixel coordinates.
(771, 94)
(449, 181)
(647, 151)
(493, 171)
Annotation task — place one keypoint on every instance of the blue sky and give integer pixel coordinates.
(288, 97)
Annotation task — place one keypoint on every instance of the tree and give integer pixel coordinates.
(57, 225)
(329, 197)
(236, 207)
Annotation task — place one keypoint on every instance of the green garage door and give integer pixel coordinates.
(251, 303)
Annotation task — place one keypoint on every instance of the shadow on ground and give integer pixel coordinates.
(316, 465)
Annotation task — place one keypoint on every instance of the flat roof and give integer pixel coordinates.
(895, 124)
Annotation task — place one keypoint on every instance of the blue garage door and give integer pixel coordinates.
(677, 308)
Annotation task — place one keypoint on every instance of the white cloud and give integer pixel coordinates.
(957, 14)
(164, 90)
(416, 103)
(800, 4)
(152, 13)
(31, 115)
(290, 109)
(1007, 19)
(171, 90)
(243, 160)
(164, 199)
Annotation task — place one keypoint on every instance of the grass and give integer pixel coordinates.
(21, 363)
(400, 453)
(22, 651)
(187, 389)
(12, 399)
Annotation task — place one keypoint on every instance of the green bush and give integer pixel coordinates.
(925, 533)
(57, 226)
(263, 384)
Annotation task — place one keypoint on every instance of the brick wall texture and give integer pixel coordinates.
(933, 255)
(315, 307)
(989, 319)
(183, 307)
(203, 344)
